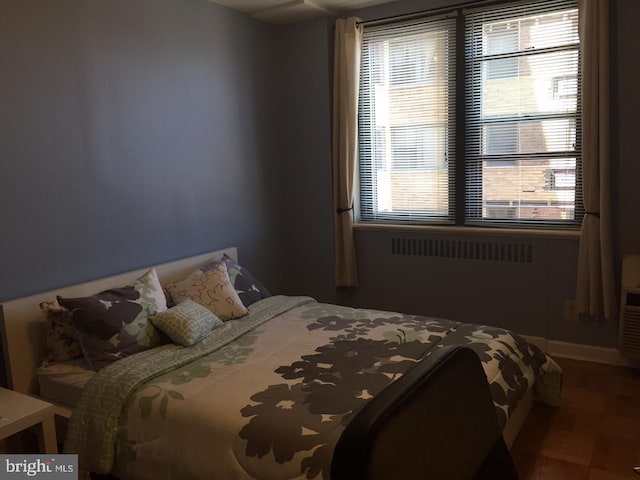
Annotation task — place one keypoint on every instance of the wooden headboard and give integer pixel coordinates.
(23, 327)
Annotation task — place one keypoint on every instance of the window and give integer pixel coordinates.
(502, 38)
(415, 147)
(560, 178)
(411, 61)
(565, 86)
(519, 150)
(501, 139)
(407, 115)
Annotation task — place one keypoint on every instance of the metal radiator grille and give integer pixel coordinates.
(490, 251)
(630, 338)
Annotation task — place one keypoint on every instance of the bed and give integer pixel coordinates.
(292, 389)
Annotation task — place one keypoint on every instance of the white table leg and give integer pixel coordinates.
(48, 441)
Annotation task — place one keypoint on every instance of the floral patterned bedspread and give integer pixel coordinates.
(267, 396)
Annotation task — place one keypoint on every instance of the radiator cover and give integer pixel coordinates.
(477, 250)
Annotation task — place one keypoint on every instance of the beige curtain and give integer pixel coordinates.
(596, 286)
(346, 79)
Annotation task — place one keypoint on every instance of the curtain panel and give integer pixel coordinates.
(346, 79)
(596, 292)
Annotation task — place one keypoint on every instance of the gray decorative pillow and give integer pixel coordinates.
(249, 289)
(62, 341)
(115, 323)
(211, 289)
(186, 323)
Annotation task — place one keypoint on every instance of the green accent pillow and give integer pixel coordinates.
(187, 323)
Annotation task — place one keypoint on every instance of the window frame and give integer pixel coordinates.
(428, 216)
(459, 172)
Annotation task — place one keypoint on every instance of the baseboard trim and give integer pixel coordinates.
(576, 351)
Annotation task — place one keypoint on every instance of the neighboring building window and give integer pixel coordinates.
(411, 61)
(502, 38)
(560, 179)
(416, 147)
(521, 109)
(501, 139)
(565, 86)
(501, 212)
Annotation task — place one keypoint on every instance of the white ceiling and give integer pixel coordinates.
(281, 12)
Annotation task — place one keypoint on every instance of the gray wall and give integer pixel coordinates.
(132, 132)
(304, 168)
(529, 298)
(625, 78)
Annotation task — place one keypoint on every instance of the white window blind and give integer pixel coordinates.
(407, 122)
(522, 148)
(518, 141)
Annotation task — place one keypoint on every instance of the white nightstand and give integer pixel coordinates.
(19, 412)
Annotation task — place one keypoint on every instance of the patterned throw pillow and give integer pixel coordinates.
(167, 297)
(249, 289)
(211, 289)
(62, 341)
(115, 323)
(186, 323)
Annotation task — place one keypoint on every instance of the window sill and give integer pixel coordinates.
(475, 231)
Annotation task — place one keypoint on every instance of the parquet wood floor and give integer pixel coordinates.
(593, 435)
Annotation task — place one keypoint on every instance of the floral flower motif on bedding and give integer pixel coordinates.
(170, 383)
(365, 356)
(239, 352)
(331, 323)
(190, 373)
(328, 386)
(145, 403)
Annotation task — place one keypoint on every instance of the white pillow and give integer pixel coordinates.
(211, 289)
